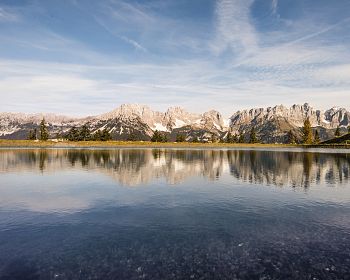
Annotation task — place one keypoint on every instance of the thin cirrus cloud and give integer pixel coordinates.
(87, 57)
(233, 28)
(274, 6)
(8, 16)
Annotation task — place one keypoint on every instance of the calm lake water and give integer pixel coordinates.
(174, 214)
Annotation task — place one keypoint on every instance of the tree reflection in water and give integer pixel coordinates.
(133, 167)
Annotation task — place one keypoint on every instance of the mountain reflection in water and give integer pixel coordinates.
(133, 167)
(174, 214)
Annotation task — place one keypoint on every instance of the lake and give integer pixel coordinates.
(174, 214)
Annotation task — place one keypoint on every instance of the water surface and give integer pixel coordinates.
(174, 214)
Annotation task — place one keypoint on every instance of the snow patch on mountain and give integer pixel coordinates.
(159, 127)
(140, 121)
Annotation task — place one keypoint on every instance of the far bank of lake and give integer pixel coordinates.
(148, 144)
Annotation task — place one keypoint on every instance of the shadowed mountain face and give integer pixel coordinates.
(136, 167)
(139, 122)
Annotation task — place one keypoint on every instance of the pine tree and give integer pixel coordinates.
(84, 133)
(156, 136)
(131, 137)
(241, 138)
(317, 139)
(253, 139)
(228, 138)
(32, 135)
(164, 138)
(105, 135)
(73, 134)
(44, 134)
(214, 138)
(349, 129)
(235, 138)
(195, 139)
(97, 136)
(291, 137)
(180, 138)
(307, 132)
(159, 137)
(337, 132)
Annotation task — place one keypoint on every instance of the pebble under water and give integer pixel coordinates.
(174, 214)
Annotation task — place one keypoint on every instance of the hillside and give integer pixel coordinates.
(338, 140)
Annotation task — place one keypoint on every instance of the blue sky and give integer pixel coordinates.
(85, 57)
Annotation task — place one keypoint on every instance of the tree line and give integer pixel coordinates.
(84, 134)
(43, 132)
(74, 134)
(314, 138)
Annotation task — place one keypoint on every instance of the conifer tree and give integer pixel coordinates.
(180, 138)
(337, 132)
(307, 132)
(349, 129)
(84, 133)
(97, 135)
(241, 138)
(105, 135)
(73, 134)
(317, 139)
(44, 134)
(291, 137)
(32, 134)
(235, 138)
(131, 137)
(156, 136)
(253, 139)
(159, 137)
(195, 139)
(164, 138)
(228, 138)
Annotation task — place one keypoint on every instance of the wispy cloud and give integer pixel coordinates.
(125, 12)
(274, 6)
(8, 16)
(116, 34)
(233, 28)
(225, 57)
(134, 43)
(319, 32)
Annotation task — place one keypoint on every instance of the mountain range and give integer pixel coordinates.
(139, 122)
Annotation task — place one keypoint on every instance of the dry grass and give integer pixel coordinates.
(111, 144)
(145, 144)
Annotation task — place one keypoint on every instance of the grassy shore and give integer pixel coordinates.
(134, 144)
(30, 143)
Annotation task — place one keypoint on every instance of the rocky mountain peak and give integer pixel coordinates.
(213, 120)
(337, 117)
(140, 121)
(128, 111)
(176, 117)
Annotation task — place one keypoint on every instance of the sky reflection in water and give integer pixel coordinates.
(174, 214)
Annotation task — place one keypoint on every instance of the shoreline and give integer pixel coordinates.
(145, 144)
